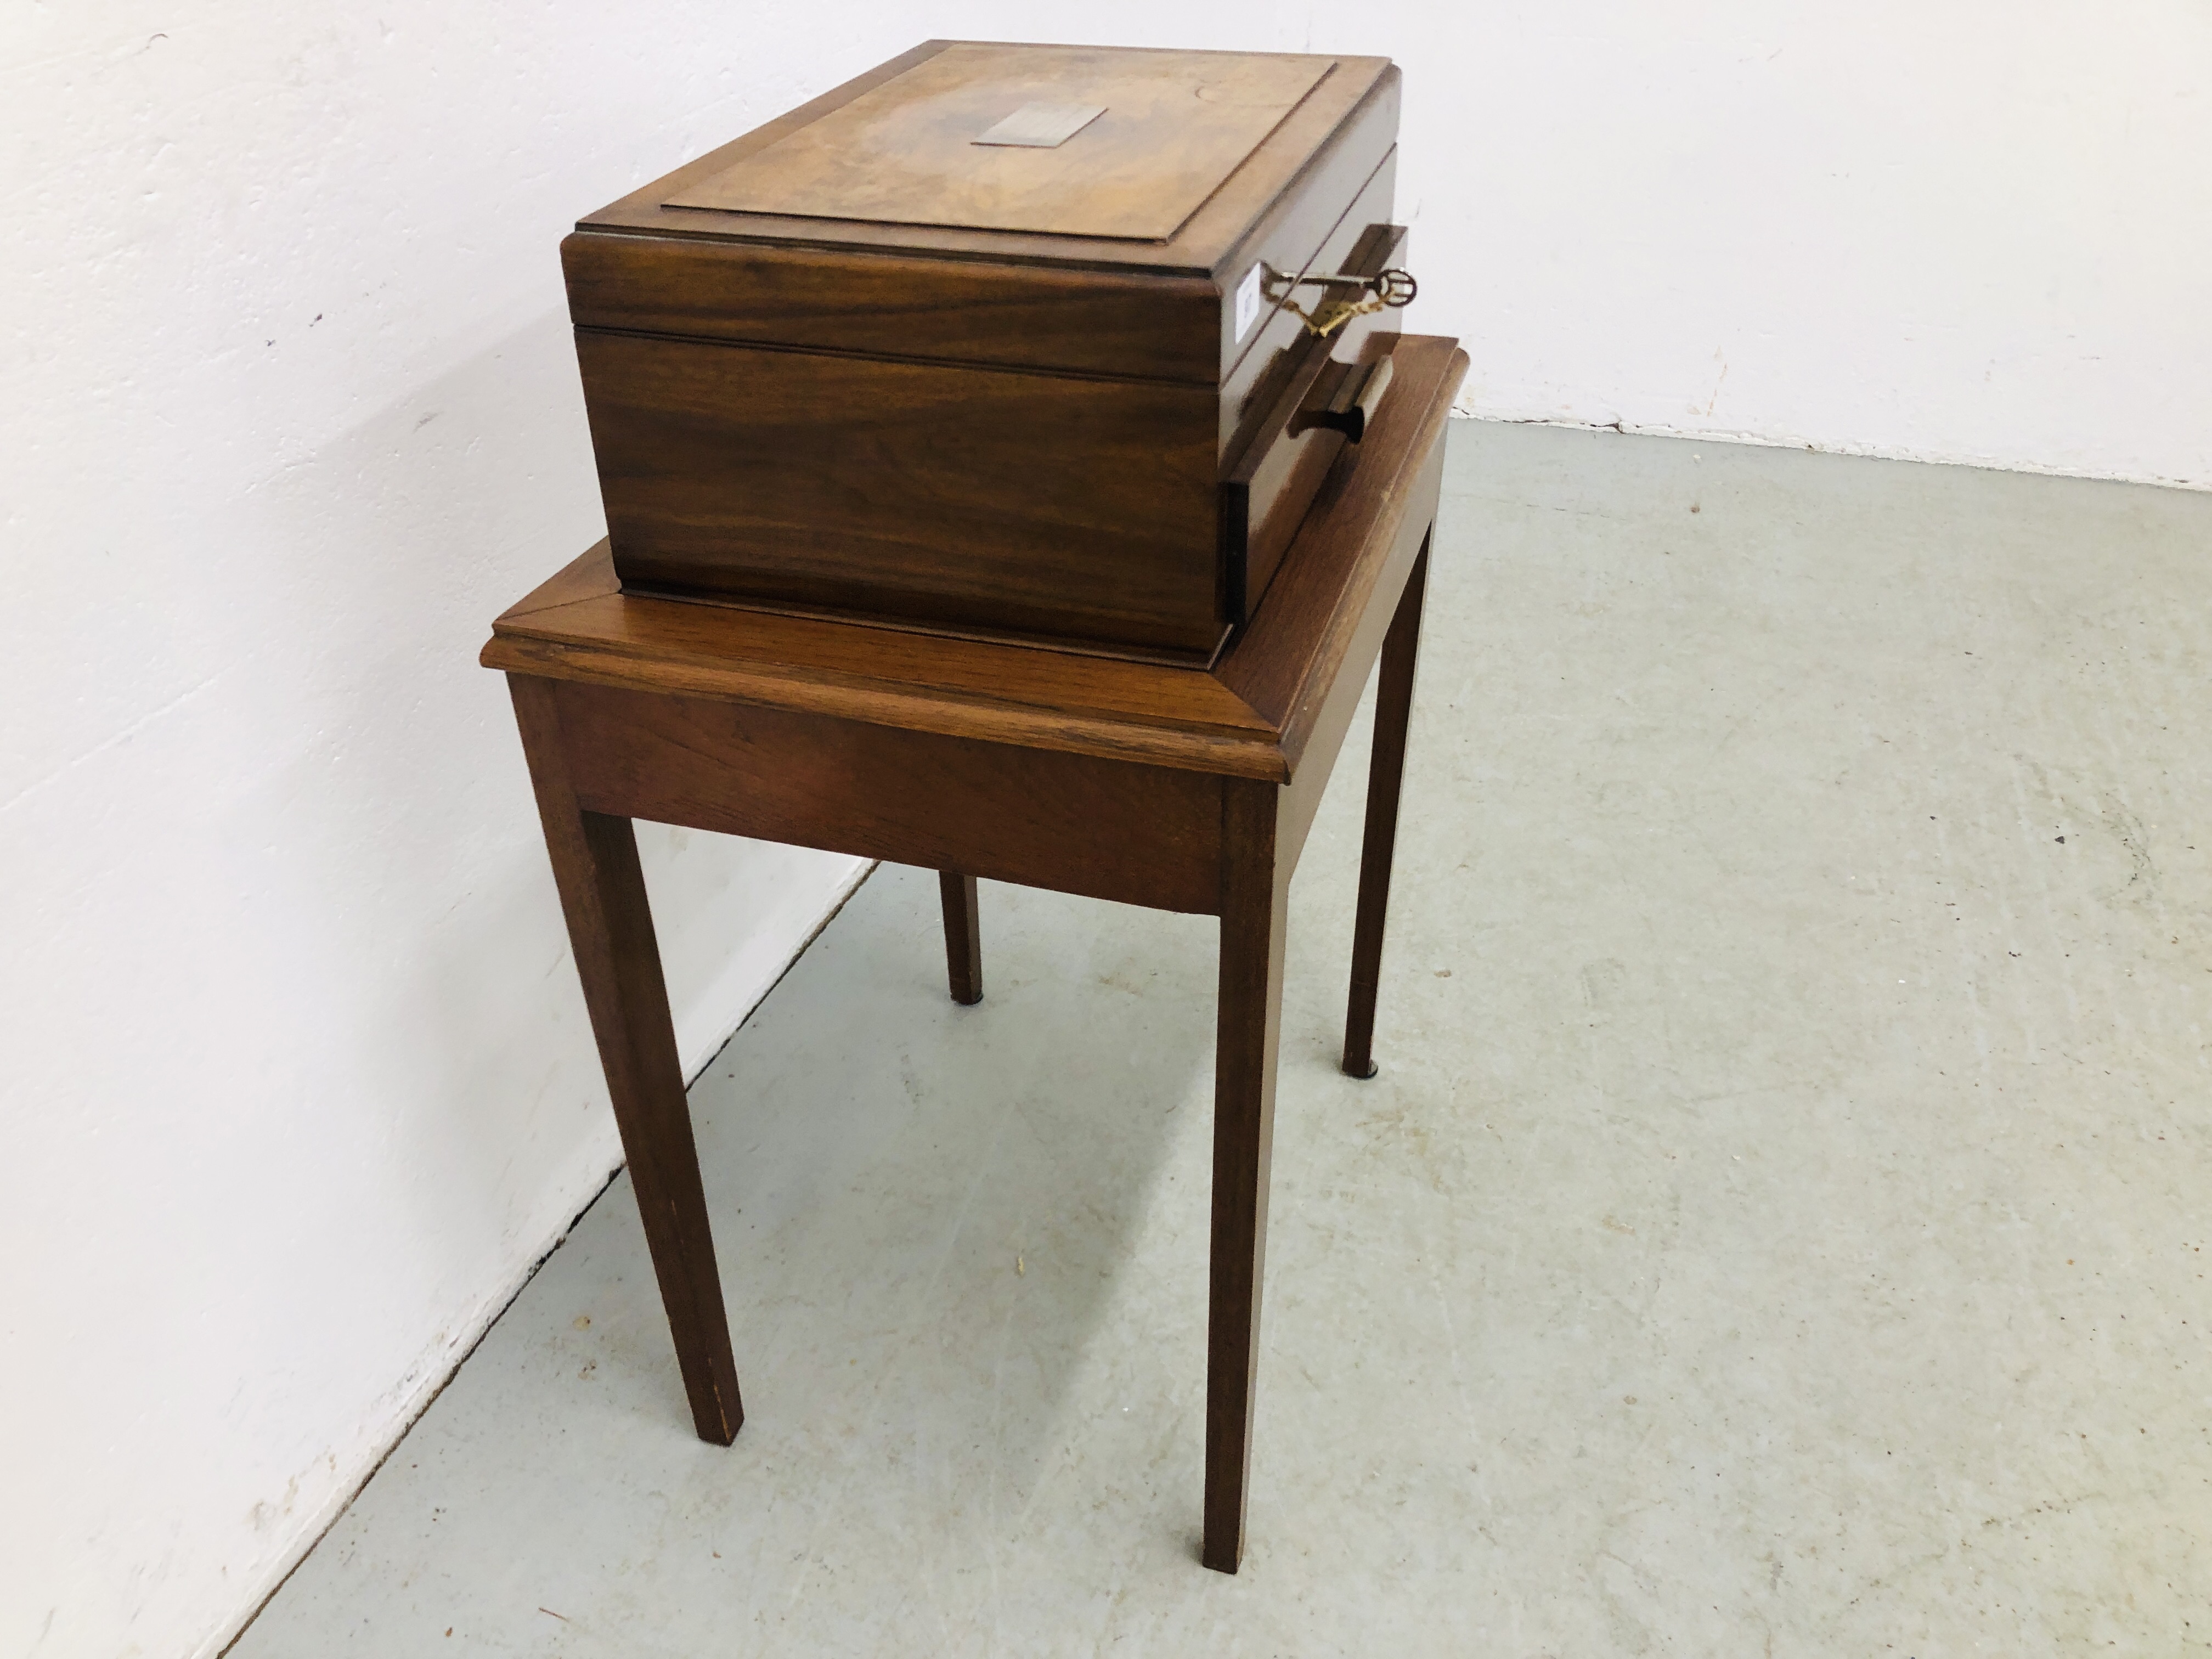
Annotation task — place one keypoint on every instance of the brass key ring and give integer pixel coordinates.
(1386, 289)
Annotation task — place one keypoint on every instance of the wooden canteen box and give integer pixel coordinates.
(1002, 341)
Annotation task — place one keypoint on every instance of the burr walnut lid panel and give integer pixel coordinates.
(1247, 201)
(1146, 137)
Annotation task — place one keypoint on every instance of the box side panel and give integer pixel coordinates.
(969, 498)
(1258, 377)
(950, 310)
(1275, 463)
(1288, 237)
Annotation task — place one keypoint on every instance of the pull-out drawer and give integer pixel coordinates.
(1301, 419)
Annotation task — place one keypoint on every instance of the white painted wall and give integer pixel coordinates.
(1977, 230)
(299, 1082)
(298, 1078)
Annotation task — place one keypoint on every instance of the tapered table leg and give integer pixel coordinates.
(611, 932)
(1394, 708)
(1249, 1019)
(963, 936)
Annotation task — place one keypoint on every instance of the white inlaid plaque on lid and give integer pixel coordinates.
(1042, 126)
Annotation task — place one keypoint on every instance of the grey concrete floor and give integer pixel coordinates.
(1779, 1226)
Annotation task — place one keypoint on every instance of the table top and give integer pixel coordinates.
(1248, 716)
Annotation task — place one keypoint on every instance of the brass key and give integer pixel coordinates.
(1386, 289)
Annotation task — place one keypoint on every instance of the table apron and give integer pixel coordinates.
(1075, 824)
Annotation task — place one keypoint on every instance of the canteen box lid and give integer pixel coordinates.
(1094, 142)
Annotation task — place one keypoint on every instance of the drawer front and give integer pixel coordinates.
(1283, 454)
(962, 498)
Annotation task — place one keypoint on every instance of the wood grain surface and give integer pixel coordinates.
(1113, 829)
(1128, 325)
(1175, 125)
(996, 439)
(1279, 458)
(1254, 381)
(1254, 909)
(1252, 716)
(1333, 695)
(595, 865)
(966, 498)
(967, 306)
(1239, 223)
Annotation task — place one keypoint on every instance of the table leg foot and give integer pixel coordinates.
(964, 937)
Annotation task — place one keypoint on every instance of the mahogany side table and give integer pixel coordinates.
(1180, 788)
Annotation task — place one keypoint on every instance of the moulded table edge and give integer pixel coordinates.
(1107, 738)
